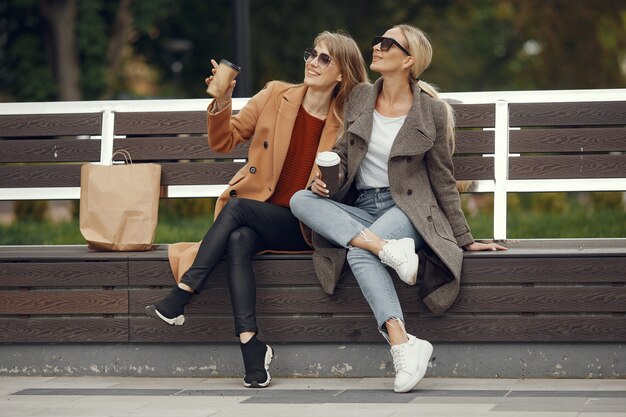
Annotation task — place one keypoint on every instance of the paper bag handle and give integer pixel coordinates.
(125, 154)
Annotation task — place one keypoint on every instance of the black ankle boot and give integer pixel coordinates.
(170, 309)
(256, 359)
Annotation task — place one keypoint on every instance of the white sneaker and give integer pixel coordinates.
(401, 256)
(410, 360)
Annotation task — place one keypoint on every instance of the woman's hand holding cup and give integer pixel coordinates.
(222, 81)
(319, 187)
(328, 164)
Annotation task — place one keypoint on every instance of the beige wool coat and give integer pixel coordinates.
(421, 181)
(266, 121)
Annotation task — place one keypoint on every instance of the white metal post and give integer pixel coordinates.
(106, 144)
(501, 170)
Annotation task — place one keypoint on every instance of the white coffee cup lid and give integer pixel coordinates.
(327, 159)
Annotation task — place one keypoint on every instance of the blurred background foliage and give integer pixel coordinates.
(97, 49)
(132, 49)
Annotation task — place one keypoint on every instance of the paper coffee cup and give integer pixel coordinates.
(226, 72)
(328, 163)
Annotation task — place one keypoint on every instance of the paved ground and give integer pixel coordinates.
(303, 397)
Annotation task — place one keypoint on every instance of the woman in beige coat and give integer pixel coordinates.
(287, 125)
(396, 160)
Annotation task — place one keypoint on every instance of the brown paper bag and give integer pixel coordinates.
(119, 205)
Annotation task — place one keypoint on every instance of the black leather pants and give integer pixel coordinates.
(243, 228)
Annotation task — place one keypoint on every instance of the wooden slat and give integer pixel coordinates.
(60, 175)
(476, 270)
(64, 330)
(158, 273)
(521, 329)
(269, 301)
(573, 270)
(267, 272)
(473, 168)
(568, 114)
(50, 150)
(567, 166)
(568, 140)
(557, 249)
(154, 149)
(540, 300)
(64, 302)
(534, 261)
(475, 115)
(350, 300)
(34, 125)
(160, 123)
(474, 141)
(363, 329)
(63, 274)
(198, 173)
(70, 253)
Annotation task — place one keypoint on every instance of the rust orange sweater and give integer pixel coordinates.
(300, 157)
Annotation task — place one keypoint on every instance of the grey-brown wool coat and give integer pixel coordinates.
(421, 181)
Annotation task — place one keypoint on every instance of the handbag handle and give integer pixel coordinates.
(125, 154)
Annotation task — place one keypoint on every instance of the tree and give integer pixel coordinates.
(478, 44)
(70, 50)
(60, 16)
(579, 44)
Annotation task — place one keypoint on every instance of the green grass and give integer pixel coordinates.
(576, 223)
(36, 233)
(602, 223)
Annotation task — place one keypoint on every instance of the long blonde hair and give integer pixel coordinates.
(345, 52)
(422, 51)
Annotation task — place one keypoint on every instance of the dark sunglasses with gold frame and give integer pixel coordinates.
(387, 43)
(323, 59)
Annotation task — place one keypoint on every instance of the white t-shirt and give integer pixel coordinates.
(373, 169)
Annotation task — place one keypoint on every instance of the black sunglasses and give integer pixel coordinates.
(323, 59)
(386, 43)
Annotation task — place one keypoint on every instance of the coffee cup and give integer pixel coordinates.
(328, 163)
(225, 73)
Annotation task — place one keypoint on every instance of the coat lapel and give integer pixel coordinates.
(285, 120)
(361, 116)
(329, 137)
(417, 134)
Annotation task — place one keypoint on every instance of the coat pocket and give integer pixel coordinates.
(241, 174)
(441, 224)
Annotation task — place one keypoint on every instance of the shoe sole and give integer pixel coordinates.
(152, 311)
(425, 353)
(269, 355)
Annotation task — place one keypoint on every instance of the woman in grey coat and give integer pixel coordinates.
(397, 194)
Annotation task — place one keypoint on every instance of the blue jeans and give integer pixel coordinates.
(375, 210)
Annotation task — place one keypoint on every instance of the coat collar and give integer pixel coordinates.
(418, 123)
(288, 108)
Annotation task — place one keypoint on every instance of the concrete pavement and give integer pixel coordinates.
(303, 397)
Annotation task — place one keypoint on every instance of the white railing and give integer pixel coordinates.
(500, 186)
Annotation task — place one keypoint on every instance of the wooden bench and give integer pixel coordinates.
(559, 290)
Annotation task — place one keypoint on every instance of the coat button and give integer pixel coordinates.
(233, 193)
(351, 141)
(409, 192)
(266, 144)
(252, 170)
(429, 218)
